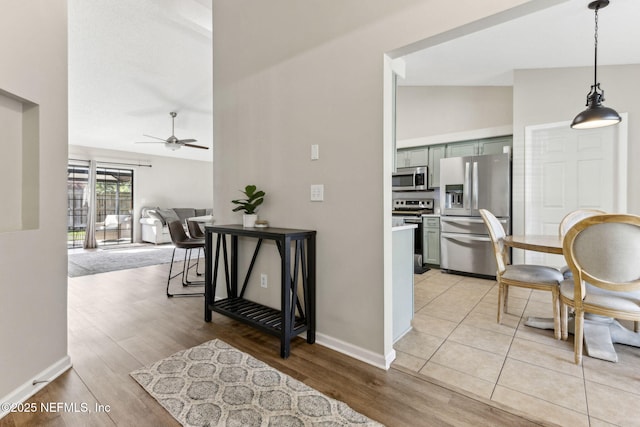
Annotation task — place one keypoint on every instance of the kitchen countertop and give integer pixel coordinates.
(404, 227)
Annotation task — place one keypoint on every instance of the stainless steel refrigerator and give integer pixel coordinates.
(468, 184)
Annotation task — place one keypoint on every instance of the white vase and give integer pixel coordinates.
(249, 220)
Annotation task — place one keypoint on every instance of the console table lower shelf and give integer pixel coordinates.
(260, 316)
(297, 313)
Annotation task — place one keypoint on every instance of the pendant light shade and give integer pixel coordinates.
(596, 115)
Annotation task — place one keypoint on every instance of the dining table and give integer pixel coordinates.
(203, 219)
(600, 332)
(550, 244)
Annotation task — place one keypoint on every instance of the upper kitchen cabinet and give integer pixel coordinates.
(495, 145)
(412, 157)
(430, 155)
(479, 147)
(436, 152)
(464, 148)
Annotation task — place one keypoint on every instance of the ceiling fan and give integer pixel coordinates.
(172, 142)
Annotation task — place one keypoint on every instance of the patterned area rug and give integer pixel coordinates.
(214, 384)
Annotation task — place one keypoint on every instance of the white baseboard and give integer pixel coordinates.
(364, 355)
(28, 389)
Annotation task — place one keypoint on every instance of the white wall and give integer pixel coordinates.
(424, 111)
(289, 74)
(559, 94)
(33, 263)
(170, 182)
(11, 162)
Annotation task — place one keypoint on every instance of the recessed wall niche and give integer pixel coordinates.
(19, 163)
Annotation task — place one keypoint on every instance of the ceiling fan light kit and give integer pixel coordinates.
(596, 115)
(172, 143)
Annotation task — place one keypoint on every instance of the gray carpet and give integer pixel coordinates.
(215, 384)
(102, 261)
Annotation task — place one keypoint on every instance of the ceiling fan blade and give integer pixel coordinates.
(154, 137)
(196, 146)
(181, 141)
(148, 142)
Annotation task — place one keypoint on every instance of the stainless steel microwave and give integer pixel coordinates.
(410, 179)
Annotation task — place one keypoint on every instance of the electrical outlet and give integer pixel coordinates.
(263, 280)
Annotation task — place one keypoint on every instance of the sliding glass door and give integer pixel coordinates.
(113, 206)
(77, 206)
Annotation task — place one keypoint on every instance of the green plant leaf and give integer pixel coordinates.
(251, 203)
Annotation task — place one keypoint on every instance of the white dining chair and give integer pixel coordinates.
(602, 252)
(530, 276)
(573, 217)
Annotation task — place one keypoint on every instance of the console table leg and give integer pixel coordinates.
(311, 285)
(285, 335)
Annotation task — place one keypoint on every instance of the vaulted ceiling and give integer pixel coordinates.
(132, 62)
(558, 36)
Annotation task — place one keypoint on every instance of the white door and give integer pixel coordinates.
(568, 169)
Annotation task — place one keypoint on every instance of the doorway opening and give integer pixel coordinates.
(113, 208)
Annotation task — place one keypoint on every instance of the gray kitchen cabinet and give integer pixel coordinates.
(402, 242)
(495, 145)
(431, 240)
(464, 148)
(410, 157)
(401, 159)
(431, 154)
(419, 156)
(436, 152)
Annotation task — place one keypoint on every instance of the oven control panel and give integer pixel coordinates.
(412, 205)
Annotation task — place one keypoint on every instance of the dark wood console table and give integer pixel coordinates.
(295, 316)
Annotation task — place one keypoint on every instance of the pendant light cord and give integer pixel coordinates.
(595, 59)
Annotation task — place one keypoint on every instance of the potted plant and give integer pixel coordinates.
(249, 205)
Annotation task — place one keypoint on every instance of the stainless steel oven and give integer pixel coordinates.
(411, 211)
(410, 179)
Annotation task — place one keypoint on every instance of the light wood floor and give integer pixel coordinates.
(122, 320)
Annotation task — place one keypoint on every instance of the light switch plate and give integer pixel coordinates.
(315, 152)
(317, 192)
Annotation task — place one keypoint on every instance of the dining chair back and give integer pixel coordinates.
(574, 217)
(569, 221)
(497, 234)
(194, 229)
(182, 241)
(602, 253)
(538, 277)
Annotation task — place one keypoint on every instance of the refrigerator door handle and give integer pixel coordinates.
(474, 194)
(466, 220)
(463, 220)
(467, 185)
(465, 237)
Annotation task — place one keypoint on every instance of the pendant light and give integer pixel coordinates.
(596, 115)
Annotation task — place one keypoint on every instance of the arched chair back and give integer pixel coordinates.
(537, 277)
(574, 217)
(602, 252)
(497, 234)
(569, 221)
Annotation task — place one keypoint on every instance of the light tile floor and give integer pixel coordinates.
(456, 341)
